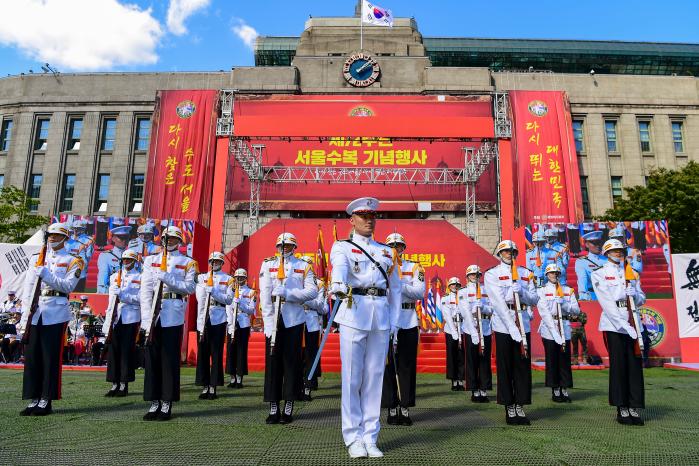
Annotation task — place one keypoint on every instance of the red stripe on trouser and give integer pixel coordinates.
(60, 363)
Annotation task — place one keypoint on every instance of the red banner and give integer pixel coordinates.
(377, 132)
(547, 179)
(180, 166)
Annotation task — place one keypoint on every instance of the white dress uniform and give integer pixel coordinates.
(315, 309)
(107, 264)
(513, 369)
(121, 357)
(239, 329)
(478, 371)
(284, 368)
(452, 319)
(626, 386)
(412, 277)
(209, 371)
(364, 331)
(44, 352)
(558, 371)
(162, 375)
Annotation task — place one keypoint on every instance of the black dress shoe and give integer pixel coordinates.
(27, 411)
(404, 420)
(231, 385)
(212, 396)
(239, 385)
(273, 418)
(165, 416)
(286, 419)
(460, 388)
(557, 398)
(637, 421)
(306, 397)
(566, 399)
(150, 416)
(204, 395)
(111, 393)
(484, 399)
(454, 388)
(392, 419)
(45, 411)
(511, 418)
(523, 421)
(122, 393)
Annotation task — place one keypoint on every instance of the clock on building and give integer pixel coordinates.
(361, 70)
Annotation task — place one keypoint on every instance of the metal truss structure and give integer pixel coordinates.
(250, 158)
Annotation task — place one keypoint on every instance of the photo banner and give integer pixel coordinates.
(686, 268)
(14, 262)
(182, 155)
(547, 181)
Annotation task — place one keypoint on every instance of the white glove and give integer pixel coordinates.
(514, 333)
(630, 290)
(559, 300)
(516, 287)
(631, 331)
(114, 290)
(394, 332)
(474, 339)
(279, 291)
(208, 289)
(235, 301)
(339, 290)
(158, 274)
(39, 270)
(557, 338)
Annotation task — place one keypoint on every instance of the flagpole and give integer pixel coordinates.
(361, 28)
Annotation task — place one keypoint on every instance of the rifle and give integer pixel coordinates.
(479, 319)
(40, 262)
(328, 327)
(235, 309)
(394, 338)
(559, 316)
(281, 276)
(207, 315)
(115, 304)
(158, 301)
(524, 345)
(633, 318)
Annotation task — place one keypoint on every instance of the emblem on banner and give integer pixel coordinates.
(538, 108)
(185, 109)
(361, 112)
(655, 325)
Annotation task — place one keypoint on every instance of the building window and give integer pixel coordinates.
(644, 134)
(34, 192)
(75, 131)
(108, 134)
(5, 135)
(610, 130)
(136, 192)
(42, 134)
(578, 136)
(67, 193)
(142, 134)
(101, 193)
(678, 136)
(617, 190)
(585, 197)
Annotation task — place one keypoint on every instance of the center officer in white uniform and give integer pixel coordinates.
(364, 268)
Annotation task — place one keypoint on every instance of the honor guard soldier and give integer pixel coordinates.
(44, 317)
(559, 253)
(476, 311)
(453, 321)
(402, 353)
(12, 303)
(619, 293)
(633, 256)
(366, 281)
(557, 304)
(315, 309)
(164, 331)
(510, 289)
(108, 261)
(81, 244)
(239, 313)
(536, 257)
(286, 282)
(144, 243)
(585, 265)
(214, 292)
(122, 323)
(11, 310)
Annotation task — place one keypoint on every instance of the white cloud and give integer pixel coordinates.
(81, 34)
(179, 11)
(245, 32)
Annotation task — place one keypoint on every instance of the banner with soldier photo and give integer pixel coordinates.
(100, 241)
(577, 249)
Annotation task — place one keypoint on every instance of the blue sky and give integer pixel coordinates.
(209, 35)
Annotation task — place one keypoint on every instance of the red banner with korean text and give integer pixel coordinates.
(547, 182)
(180, 166)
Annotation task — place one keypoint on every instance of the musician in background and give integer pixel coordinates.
(239, 329)
(557, 304)
(12, 303)
(11, 310)
(479, 375)
(123, 321)
(452, 334)
(47, 325)
(161, 384)
(616, 294)
(214, 292)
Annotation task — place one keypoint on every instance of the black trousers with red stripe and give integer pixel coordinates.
(479, 375)
(210, 356)
(121, 356)
(42, 362)
(625, 372)
(558, 371)
(406, 362)
(237, 352)
(455, 358)
(162, 375)
(284, 368)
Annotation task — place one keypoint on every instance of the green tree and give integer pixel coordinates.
(670, 194)
(16, 222)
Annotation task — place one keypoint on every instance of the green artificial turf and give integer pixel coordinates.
(449, 430)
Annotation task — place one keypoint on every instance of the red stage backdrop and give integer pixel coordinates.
(180, 166)
(547, 179)
(375, 132)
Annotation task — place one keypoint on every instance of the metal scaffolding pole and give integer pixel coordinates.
(224, 124)
(501, 114)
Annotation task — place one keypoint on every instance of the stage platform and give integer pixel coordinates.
(687, 366)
